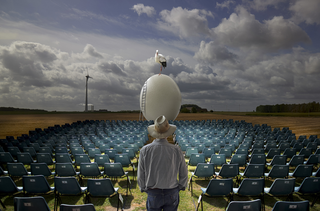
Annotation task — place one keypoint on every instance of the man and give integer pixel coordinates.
(160, 164)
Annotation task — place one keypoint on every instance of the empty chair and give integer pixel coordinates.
(253, 171)
(278, 160)
(272, 152)
(218, 160)
(228, 171)
(298, 146)
(208, 152)
(45, 158)
(291, 205)
(253, 205)
(37, 203)
(13, 151)
(258, 159)
(124, 160)
(31, 151)
(46, 149)
(191, 150)
(284, 146)
(17, 170)
(196, 158)
(296, 160)
(217, 187)
(7, 186)
(314, 159)
(101, 159)
(81, 158)
(6, 157)
(63, 158)
(2, 172)
(41, 169)
(66, 186)
(281, 187)
(205, 170)
(310, 185)
(36, 184)
(302, 171)
(82, 207)
(102, 188)
(115, 170)
(130, 152)
(306, 152)
(66, 170)
(93, 151)
(251, 187)
(111, 153)
(317, 173)
(278, 171)
(61, 150)
(226, 151)
(25, 158)
(76, 150)
(240, 159)
(290, 152)
(90, 170)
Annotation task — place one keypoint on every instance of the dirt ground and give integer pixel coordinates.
(15, 125)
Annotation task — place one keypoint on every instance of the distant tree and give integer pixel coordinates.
(194, 110)
(184, 110)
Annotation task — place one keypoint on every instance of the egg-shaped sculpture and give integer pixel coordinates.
(160, 95)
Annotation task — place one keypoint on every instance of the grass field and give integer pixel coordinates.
(15, 125)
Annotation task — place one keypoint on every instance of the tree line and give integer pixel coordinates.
(298, 108)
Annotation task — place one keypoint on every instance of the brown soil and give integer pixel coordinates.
(15, 125)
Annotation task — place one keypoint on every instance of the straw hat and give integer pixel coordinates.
(161, 128)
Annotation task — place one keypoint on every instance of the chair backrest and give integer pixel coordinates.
(272, 152)
(208, 151)
(303, 171)
(254, 171)
(67, 185)
(279, 160)
(306, 152)
(6, 157)
(123, 159)
(65, 170)
(254, 205)
(93, 151)
(44, 158)
(229, 170)
(83, 207)
(31, 150)
(291, 205)
(290, 152)
(113, 169)
(36, 203)
(90, 170)
(101, 159)
(239, 159)
(296, 160)
(25, 158)
(218, 160)
(17, 169)
(309, 185)
(36, 184)
(204, 170)
(7, 185)
(226, 151)
(258, 159)
(13, 151)
(251, 187)
(196, 158)
(191, 150)
(279, 171)
(100, 187)
(219, 187)
(63, 158)
(111, 153)
(76, 150)
(81, 158)
(281, 187)
(40, 169)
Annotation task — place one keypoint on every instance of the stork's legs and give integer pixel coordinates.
(160, 70)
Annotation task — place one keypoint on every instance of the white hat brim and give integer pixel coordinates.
(155, 134)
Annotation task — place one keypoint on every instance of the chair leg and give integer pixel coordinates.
(2, 204)
(315, 199)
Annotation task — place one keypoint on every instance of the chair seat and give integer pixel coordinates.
(235, 190)
(83, 189)
(266, 190)
(203, 190)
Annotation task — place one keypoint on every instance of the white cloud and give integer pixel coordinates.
(141, 9)
(261, 5)
(185, 23)
(241, 29)
(225, 4)
(306, 11)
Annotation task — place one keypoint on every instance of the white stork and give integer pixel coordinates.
(159, 58)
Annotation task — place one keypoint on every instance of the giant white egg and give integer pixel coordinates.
(160, 95)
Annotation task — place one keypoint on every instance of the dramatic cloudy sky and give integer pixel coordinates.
(224, 55)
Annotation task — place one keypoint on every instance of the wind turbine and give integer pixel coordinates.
(87, 78)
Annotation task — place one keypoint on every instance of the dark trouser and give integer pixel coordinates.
(163, 199)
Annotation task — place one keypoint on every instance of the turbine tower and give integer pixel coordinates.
(87, 78)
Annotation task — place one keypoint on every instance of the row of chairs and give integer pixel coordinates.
(255, 188)
(63, 186)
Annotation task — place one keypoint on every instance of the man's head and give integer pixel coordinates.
(161, 128)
